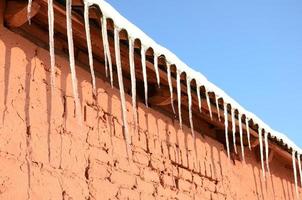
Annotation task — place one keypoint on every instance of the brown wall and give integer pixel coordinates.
(45, 154)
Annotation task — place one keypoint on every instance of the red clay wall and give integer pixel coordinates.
(45, 154)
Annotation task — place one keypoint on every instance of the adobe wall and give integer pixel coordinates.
(45, 154)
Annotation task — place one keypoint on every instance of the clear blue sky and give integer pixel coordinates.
(251, 49)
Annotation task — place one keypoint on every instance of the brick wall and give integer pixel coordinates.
(46, 154)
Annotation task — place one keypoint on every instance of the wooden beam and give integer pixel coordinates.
(16, 13)
(2, 10)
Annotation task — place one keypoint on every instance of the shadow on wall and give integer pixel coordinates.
(51, 138)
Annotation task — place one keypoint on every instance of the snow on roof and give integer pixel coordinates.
(134, 32)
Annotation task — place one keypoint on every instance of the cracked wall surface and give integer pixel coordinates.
(46, 154)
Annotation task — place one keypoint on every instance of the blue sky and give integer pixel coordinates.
(250, 49)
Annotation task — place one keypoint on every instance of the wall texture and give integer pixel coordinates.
(46, 154)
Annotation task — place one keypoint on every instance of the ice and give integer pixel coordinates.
(209, 104)
(107, 55)
(29, 11)
(226, 129)
(241, 135)
(179, 97)
(72, 62)
(156, 69)
(266, 151)
(234, 129)
(190, 106)
(170, 86)
(133, 79)
(143, 55)
(261, 150)
(88, 39)
(248, 132)
(217, 107)
(295, 173)
(121, 87)
(199, 97)
(51, 43)
(300, 167)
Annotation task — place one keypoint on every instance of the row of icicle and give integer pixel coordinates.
(296, 156)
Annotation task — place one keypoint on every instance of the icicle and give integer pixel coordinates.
(88, 39)
(266, 151)
(261, 150)
(241, 135)
(199, 98)
(248, 132)
(121, 86)
(170, 86)
(209, 104)
(156, 69)
(133, 80)
(300, 167)
(29, 11)
(51, 43)
(72, 62)
(226, 124)
(295, 173)
(179, 97)
(234, 129)
(190, 106)
(143, 55)
(107, 55)
(217, 107)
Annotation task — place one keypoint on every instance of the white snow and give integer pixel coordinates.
(29, 11)
(217, 107)
(179, 97)
(133, 80)
(72, 62)
(234, 129)
(241, 136)
(295, 173)
(170, 86)
(107, 55)
(248, 132)
(199, 97)
(156, 69)
(143, 55)
(88, 40)
(209, 104)
(261, 150)
(300, 167)
(226, 129)
(51, 44)
(121, 86)
(266, 151)
(190, 106)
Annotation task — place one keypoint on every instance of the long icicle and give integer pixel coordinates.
(121, 87)
(234, 129)
(143, 55)
(29, 11)
(199, 97)
(266, 151)
(217, 107)
(170, 86)
(248, 132)
(179, 97)
(300, 167)
(72, 62)
(295, 172)
(107, 53)
(190, 106)
(88, 39)
(156, 69)
(261, 150)
(51, 44)
(133, 80)
(209, 104)
(226, 125)
(241, 135)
